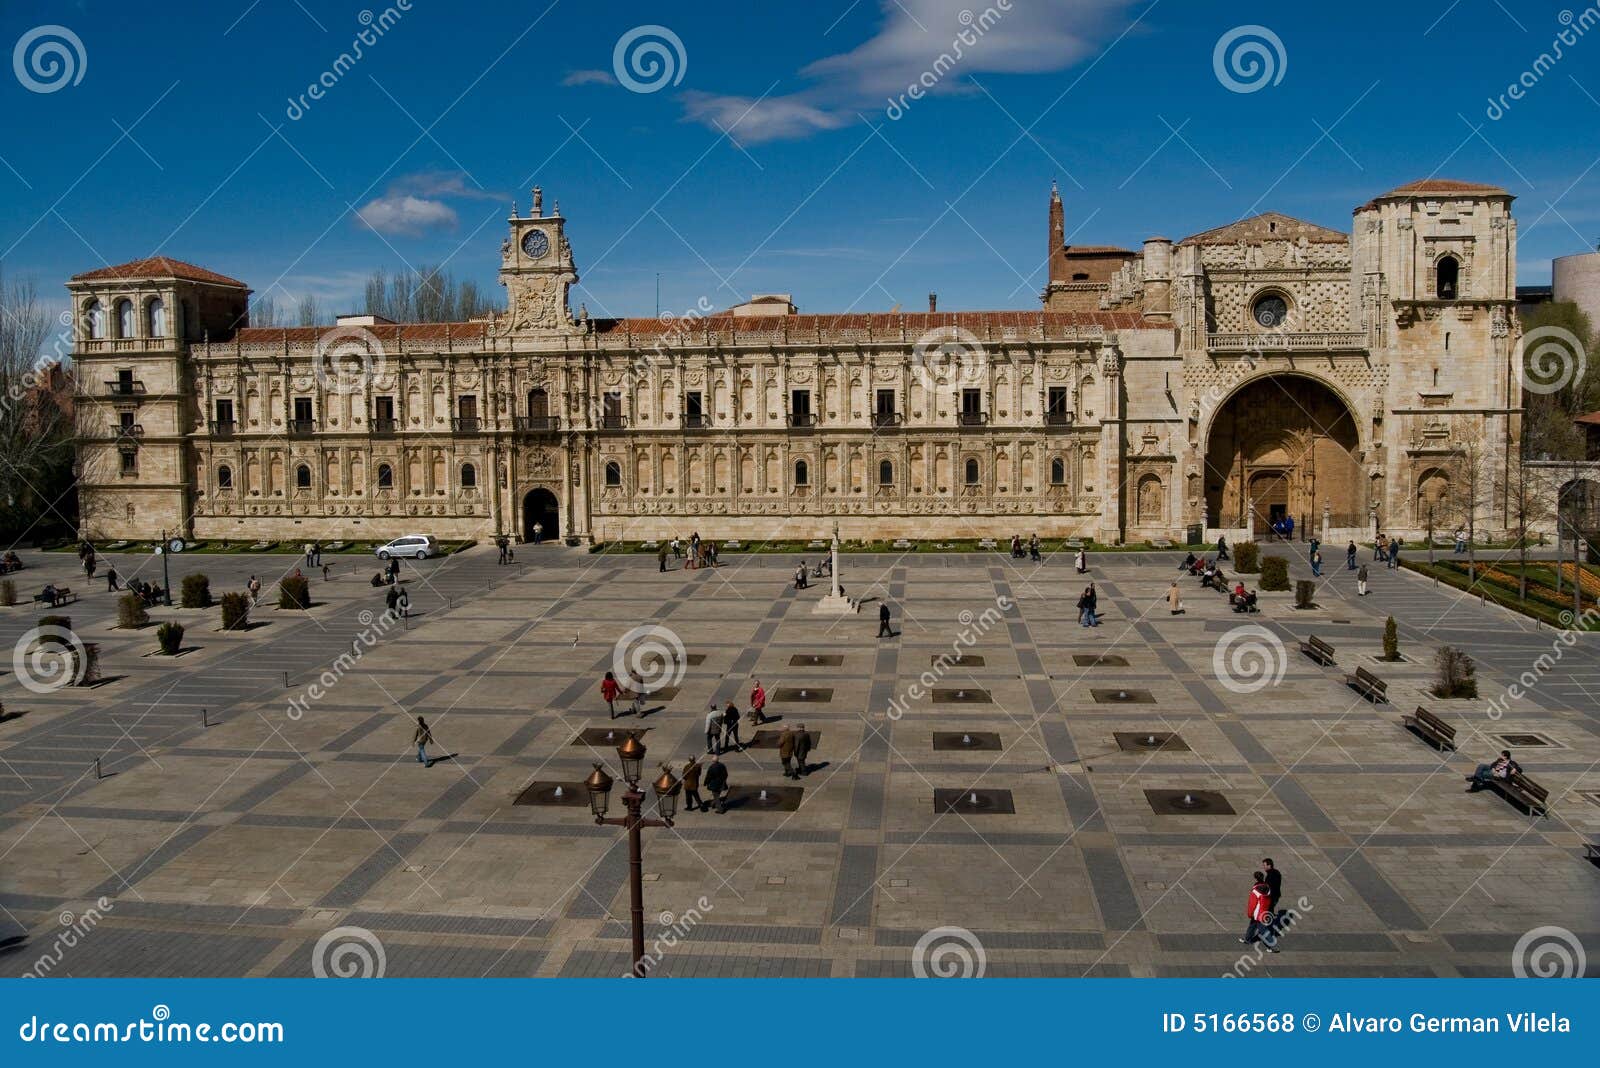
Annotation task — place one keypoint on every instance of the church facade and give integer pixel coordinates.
(1268, 368)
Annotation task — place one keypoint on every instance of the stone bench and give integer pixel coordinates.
(1431, 729)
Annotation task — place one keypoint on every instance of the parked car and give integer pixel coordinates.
(416, 546)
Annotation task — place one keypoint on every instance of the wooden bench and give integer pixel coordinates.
(1430, 728)
(1368, 685)
(64, 595)
(1591, 851)
(1524, 792)
(1318, 650)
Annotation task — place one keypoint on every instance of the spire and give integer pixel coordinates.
(1058, 236)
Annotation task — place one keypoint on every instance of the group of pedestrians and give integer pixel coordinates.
(1088, 607)
(1263, 922)
(715, 777)
(508, 553)
(1025, 549)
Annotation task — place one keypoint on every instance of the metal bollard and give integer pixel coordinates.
(97, 774)
(203, 721)
(285, 680)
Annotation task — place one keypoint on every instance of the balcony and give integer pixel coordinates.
(803, 420)
(885, 419)
(1057, 418)
(302, 427)
(385, 426)
(536, 424)
(696, 421)
(466, 424)
(128, 431)
(1277, 341)
(223, 428)
(971, 419)
(613, 422)
(125, 387)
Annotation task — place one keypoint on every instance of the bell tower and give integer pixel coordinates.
(537, 270)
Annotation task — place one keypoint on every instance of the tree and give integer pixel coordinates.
(427, 295)
(1548, 430)
(309, 311)
(36, 483)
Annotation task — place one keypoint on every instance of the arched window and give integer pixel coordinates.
(469, 476)
(224, 477)
(125, 318)
(613, 473)
(1447, 276)
(802, 473)
(302, 477)
(156, 317)
(972, 471)
(885, 473)
(385, 476)
(95, 319)
(1058, 472)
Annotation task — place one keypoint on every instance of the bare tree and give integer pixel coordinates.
(426, 295)
(310, 311)
(35, 438)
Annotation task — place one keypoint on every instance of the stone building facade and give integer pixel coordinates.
(1264, 368)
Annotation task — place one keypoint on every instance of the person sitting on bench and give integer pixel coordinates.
(1502, 769)
(1237, 595)
(1188, 563)
(49, 593)
(1247, 603)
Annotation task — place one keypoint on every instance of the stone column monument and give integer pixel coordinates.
(835, 603)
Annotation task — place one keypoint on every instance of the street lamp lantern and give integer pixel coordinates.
(666, 789)
(599, 786)
(631, 753)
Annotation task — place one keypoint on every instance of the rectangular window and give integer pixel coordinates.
(383, 409)
(800, 401)
(611, 414)
(972, 402)
(224, 411)
(693, 404)
(467, 407)
(126, 419)
(302, 410)
(124, 380)
(1057, 405)
(885, 403)
(130, 462)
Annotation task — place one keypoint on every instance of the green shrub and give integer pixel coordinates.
(1454, 674)
(63, 624)
(1274, 573)
(294, 592)
(131, 611)
(1391, 640)
(235, 611)
(8, 592)
(196, 591)
(1303, 590)
(1247, 558)
(169, 636)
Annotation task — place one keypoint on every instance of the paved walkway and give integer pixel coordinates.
(234, 848)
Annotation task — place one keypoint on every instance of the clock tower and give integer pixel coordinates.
(536, 268)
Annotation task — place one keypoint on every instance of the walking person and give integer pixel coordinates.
(1394, 553)
(1083, 608)
(1258, 915)
(691, 786)
(538, 533)
(1093, 597)
(730, 728)
(1033, 548)
(391, 601)
(786, 752)
(1316, 563)
(1080, 560)
(1222, 548)
(717, 783)
(884, 630)
(661, 557)
(422, 739)
(1274, 880)
(111, 578)
(802, 751)
(1350, 557)
(758, 704)
(610, 690)
(714, 729)
(1461, 540)
(326, 571)
(1174, 600)
(1361, 581)
(254, 586)
(403, 602)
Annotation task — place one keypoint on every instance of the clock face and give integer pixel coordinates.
(535, 243)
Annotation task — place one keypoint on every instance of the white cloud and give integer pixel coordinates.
(589, 77)
(918, 42)
(401, 213)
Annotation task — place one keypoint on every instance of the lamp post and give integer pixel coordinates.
(631, 753)
(166, 576)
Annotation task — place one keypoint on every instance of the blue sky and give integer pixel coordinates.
(768, 158)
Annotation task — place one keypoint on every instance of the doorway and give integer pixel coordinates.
(540, 507)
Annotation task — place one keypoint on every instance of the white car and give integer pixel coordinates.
(416, 546)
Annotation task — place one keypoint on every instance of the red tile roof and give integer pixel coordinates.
(1424, 186)
(159, 267)
(467, 332)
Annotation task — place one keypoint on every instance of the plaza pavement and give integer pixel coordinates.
(233, 848)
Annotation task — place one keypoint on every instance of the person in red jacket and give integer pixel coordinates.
(610, 690)
(758, 704)
(1258, 911)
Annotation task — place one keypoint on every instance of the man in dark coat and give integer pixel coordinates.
(730, 728)
(691, 786)
(786, 753)
(1274, 880)
(717, 783)
(802, 751)
(884, 630)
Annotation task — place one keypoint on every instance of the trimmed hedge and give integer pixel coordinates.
(131, 611)
(294, 592)
(1247, 558)
(8, 592)
(1274, 573)
(235, 611)
(169, 637)
(55, 623)
(1304, 590)
(196, 591)
(1391, 640)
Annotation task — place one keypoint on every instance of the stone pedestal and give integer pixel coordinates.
(834, 603)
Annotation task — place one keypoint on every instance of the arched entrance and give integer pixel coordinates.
(540, 506)
(1284, 445)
